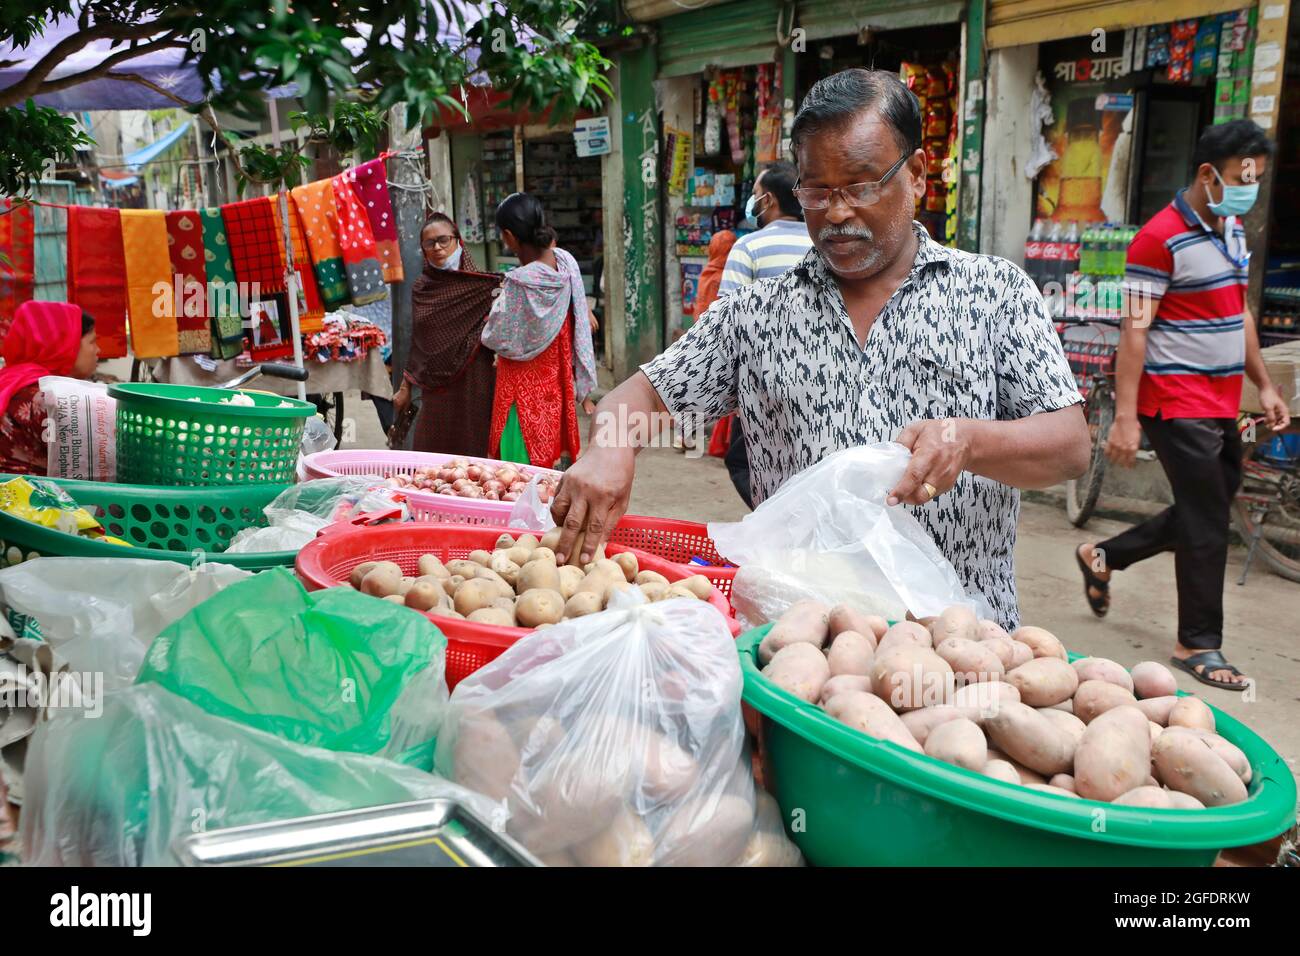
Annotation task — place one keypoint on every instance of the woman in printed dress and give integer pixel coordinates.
(541, 333)
(46, 338)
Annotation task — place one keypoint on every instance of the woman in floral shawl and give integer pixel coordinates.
(541, 333)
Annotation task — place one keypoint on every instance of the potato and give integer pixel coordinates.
(668, 772)
(1048, 788)
(556, 858)
(583, 603)
(359, 573)
(481, 557)
(570, 799)
(844, 684)
(987, 630)
(452, 584)
(505, 604)
(921, 723)
(1069, 723)
(464, 567)
(1114, 754)
(538, 575)
(768, 845)
(423, 596)
(627, 561)
(959, 742)
(405, 586)
(907, 677)
(541, 554)
(502, 586)
(707, 831)
(1232, 755)
(609, 568)
(904, 633)
(484, 757)
(1191, 712)
(518, 555)
(956, 621)
(871, 715)
(1101, 668)
(496, 616)
(383, 579)
(597, 582)
(1064, 781)
(698, 585)
(570, 578)
(1044, 681)
(1021, 653)
(804, 622)
(850, 653)
(1095, 697)
(1030, 738)
(504, 541)
(442, 610)
(800, 669)
(985, 697)
(654, 591)
(1042, 642)
(474, 596)
(506, 567)
(1001, 770)
(971, 661)
(626, 842)
(1144, 796)
(1004, 649)
(1152, 679)
(1183, 801)
(1189, 764)
(844, 617)
(1065, 706)
(1156, 729)
(430, 565)
(551, 538)
(679, 590)
(528, 542)
(1157, 708)
(395, 599)
(646, 577)
(539, 606)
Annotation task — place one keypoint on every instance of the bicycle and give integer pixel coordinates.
(1266, 509)
(1093, 364)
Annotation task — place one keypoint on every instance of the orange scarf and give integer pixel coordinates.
(144, 242)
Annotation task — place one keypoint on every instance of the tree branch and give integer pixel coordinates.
(96, 72)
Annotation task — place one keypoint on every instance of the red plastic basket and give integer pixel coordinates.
(679, 542)
(329, 560)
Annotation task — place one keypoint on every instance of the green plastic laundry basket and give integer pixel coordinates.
(166, 524)
(185, 435)
(862, 802)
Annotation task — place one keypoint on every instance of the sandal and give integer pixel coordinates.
(1100, 603)
(1210, 661)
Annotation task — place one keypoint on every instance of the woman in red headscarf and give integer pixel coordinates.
(46, 338)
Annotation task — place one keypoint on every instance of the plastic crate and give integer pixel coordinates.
(184, 435)
(166, 524)
(329, 560)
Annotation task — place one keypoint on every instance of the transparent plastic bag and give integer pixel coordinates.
(118, 789)
(317, 436)
(612, 739)
(301, 512)
(768, 845)
(828, 534)
(334, 669)
(530, 513)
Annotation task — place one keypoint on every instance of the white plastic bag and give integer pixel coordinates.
(303, 510)
(529, 512)
(828, 534)
(612, 739)
(768, 845)
(82, 428)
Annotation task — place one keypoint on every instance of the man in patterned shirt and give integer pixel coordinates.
(879, 333)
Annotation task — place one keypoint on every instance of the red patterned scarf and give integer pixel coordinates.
(312, 318)
(360, 260)
(97, 274)
(255, 244)
(185, 247)
(369, 182)
(17, 266)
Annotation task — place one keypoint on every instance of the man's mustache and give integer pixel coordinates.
(844, 232)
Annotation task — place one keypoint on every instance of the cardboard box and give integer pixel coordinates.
(1283, 364)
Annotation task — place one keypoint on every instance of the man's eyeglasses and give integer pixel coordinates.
(857, 194)
(441, 242)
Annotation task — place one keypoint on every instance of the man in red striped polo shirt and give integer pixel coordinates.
(1189, 338)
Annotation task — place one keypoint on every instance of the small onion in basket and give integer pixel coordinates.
(510, 496)
(471, 491)
(474, 472)
(544, 494)
(507, 476)
(447, 474)
(492, 495)
(494, 485)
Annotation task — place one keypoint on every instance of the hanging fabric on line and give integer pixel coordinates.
(360, 260)
(311, 312)
(144, 243)
(370, 183)
(17, 267)
(315, 202)
(226, 322)
(190, 274)
(255, 244)
(97, 274)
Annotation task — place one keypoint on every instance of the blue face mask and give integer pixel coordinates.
(1236, 201)
(751, 207)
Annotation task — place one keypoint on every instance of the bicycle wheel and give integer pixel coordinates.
(1081, 493)
(1268, 506)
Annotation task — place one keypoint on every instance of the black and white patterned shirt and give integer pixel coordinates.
(964, 336)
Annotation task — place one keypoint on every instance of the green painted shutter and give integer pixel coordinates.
(741, 33)
(837, 18)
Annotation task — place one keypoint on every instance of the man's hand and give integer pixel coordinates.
(1276, 415)
(941, 450)
(1123, 441)
(592, 497)
(401, 399)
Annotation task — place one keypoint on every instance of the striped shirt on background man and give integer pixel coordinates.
(770, 251)
(1196, 346)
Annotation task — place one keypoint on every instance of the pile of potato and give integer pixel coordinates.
(1009, 706)
(518, 583)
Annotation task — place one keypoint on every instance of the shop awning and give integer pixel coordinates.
(743, 33)
(147, 154)
(1018, 22)
(837, 18)
(488, 110)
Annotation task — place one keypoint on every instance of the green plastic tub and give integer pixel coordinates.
(167, 524)
(864, 802)
(184, 435)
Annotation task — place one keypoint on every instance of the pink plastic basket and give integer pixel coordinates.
(425, 506)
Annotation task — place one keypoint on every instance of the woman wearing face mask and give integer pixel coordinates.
(541, 332)
(454, 372)
(45, 338)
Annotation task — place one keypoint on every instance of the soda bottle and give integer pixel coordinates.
(1118, 250)
(1072, 251)
(1085, 250)
(1034, 252)
(1053, 254)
